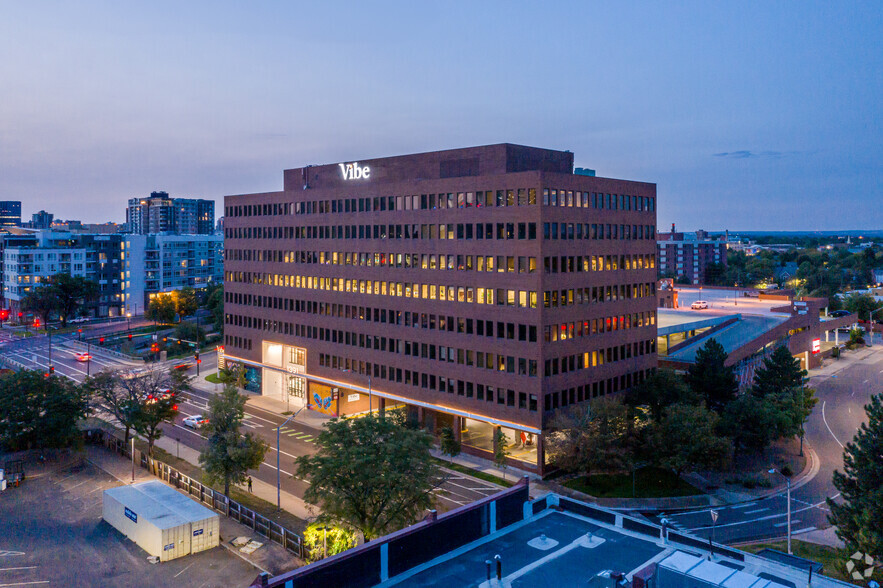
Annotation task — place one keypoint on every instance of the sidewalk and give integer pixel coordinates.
(271, 557)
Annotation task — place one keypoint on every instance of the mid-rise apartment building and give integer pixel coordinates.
(161, 214)
(687, 256)
(477, 288)
(162, 263)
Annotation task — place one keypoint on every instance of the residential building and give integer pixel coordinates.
(31, 259)
(161, 214)
(42, 220)
(163, 263)
(10, 213)
(686, 257)
(482, 288)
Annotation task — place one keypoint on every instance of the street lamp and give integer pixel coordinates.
(775, 471)
(278, 477)
(871, 325)
(88, 357)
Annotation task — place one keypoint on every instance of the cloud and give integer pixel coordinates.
(745, 154)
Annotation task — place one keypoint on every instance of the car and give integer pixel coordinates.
(840, 313)
(183, 366)
(699, 304)
(162, 394)
(84, 357)
(195, 421)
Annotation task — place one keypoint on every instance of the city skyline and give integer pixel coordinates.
(749, 117)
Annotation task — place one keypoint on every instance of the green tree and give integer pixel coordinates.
(43, 301)
(157, 392)
(686, 438)
(752, 422)
(161, 308)
(449, 443)
(661, 389)
(40, 411)
(863, 304)
(590, 437)
(321, 540)
(73, 294)
(190, 332)
(710, 379)
(108, 391)
(501, 450)
(186, 302)
(858, 519)
(782, 382)
(373, 475)
(228, 454)
(215, 304)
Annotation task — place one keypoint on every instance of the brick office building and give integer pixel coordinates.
(481, 287)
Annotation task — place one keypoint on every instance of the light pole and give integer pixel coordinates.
(775, 471)
(133, 459)
(278, 477)
(88, 358)
(871, 324)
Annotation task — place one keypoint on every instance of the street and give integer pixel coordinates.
(843, 387)
(296, 437)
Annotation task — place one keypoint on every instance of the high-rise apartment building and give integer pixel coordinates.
(10, 213)
(687, 256)
(42, 220)
(161, 214)
(477, 288)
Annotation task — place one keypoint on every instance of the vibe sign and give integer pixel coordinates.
(352, 171)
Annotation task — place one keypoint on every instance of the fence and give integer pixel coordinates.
(97, 349)
(210, 497)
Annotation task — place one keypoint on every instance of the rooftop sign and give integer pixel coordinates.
(352, 171)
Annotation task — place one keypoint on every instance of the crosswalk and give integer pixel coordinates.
(299, 435)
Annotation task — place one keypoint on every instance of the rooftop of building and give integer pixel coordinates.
(551, 541)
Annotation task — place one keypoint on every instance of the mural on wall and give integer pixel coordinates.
(323, 398)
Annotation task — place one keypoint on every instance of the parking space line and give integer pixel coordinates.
(184, 570)
(25, 583)
(24, 568)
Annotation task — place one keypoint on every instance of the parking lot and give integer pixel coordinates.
(53, 534)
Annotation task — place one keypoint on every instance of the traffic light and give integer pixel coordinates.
(36, 323)
(130, 336)
(175, 407)
(196, 357)
(165, 339)
(101, 340)
(51, 369)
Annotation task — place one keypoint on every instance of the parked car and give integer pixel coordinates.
(195, 421)
(699, 305)
(840, 313)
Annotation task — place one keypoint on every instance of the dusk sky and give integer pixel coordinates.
(762, 115)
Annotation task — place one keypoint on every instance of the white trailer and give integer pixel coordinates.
(161, 520)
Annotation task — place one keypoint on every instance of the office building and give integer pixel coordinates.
(160, 214)
(10, 213)
(477, 288)
(686, 256)
(163, 263)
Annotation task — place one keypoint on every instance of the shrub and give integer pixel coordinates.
(787, 471)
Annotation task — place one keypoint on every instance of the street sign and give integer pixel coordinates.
(714, 515)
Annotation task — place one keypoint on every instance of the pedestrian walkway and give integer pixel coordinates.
(271, 557)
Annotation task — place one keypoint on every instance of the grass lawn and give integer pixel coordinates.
(213, 378)
(833, 559)
(475, 473)
(649, 483)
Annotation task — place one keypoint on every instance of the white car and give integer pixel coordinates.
(699, 305)
(195, 421)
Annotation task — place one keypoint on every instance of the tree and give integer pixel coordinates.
(782, 381)
(40, 411)
(186, 302)
(449, 443)
(373, 475)
(686, 439)
(322, 540)
(661, 389)
(108, 392)
(228, 454)
(709, 378)
(190, 332)
(161, 308)
(72, 293)
(157, 393)
(214, 302)
(859, 518)
(501, 450)
(589, 437)
(752, 422)
(863, 304)
(41, 300)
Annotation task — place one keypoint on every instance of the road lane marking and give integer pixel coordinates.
(824, 402)
(743, 505)
(25, 583)
(755, 511)
(803, 530)
(785, 523)
(24, 568)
